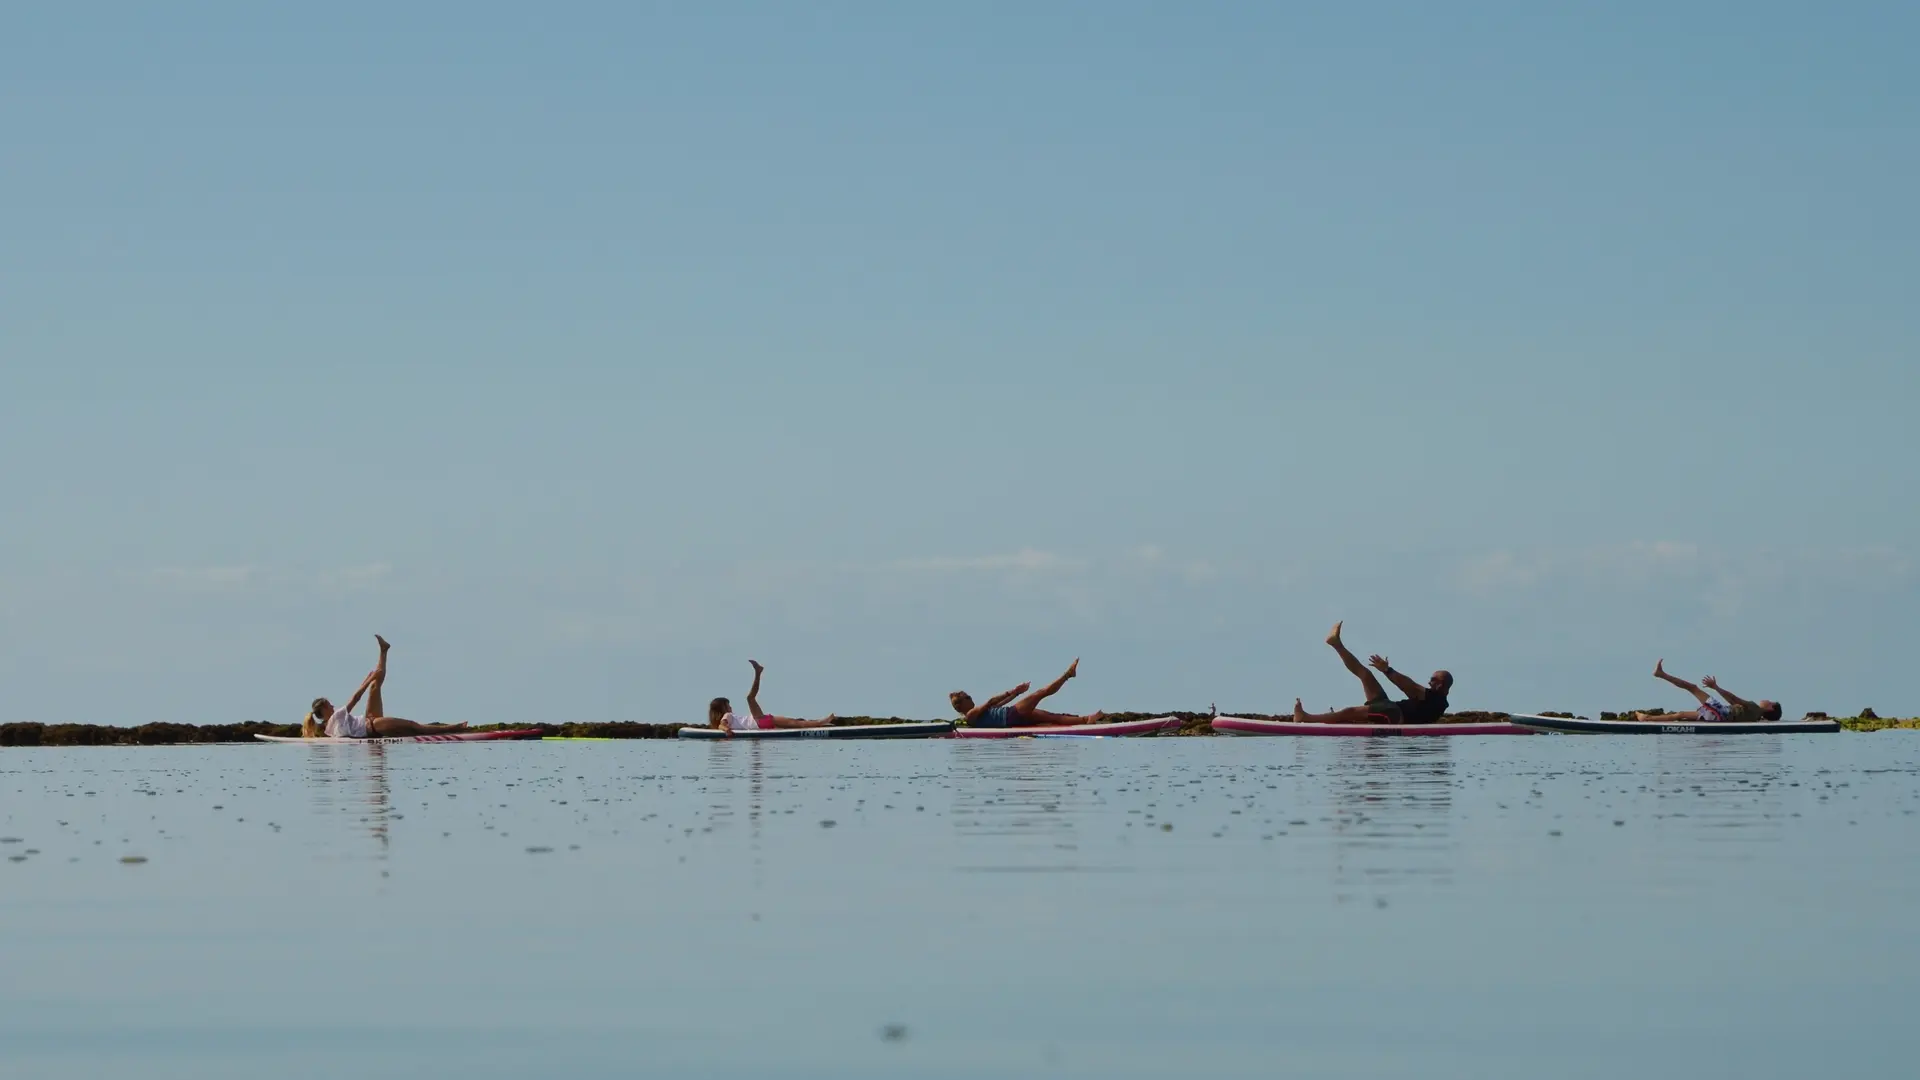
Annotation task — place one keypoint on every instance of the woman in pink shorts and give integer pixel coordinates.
(720, 714)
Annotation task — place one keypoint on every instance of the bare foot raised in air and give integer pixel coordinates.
(1333, 636)
(757, 667)
(384, 644)
(1660, 669)
(1299, 710)
(1073, 669)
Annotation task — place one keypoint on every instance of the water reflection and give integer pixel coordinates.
(756, 770)
(351, 782)
(729, 762)
(1726, 789)
(1023, 800)
(1391, 805)
(1523, 919)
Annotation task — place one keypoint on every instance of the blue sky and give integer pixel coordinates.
(587, 350)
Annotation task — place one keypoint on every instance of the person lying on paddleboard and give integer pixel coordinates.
(1026, 712)
(1735, 709)
(720, 712)
(376, 724)
(1424, 704)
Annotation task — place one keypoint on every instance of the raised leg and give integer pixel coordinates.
(1367, 681)
(1660, 672)
(794, 721)
(376, 705)
(1043, 718)
(766, 719)
(753, 692)
(392, 727)
(1029, 705)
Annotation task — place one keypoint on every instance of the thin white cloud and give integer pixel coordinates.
(598, 628)
(1643, 559)
(1026, 560)
(1879, 565)
(229, 579)
(1147, 554)
(1723, 579)
(1634, 562)
(1498, 571)
(207, 578)
(1199, 571)
(355, 578)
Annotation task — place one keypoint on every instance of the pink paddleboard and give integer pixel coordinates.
(1131, 727)
(1235, 725)
(458, 736)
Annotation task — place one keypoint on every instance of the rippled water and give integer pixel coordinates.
(1553, 906)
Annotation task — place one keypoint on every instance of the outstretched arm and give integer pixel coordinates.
(1714, 684)
(994, 702)
(1005, 696)
(361, 692)
(1407, 686)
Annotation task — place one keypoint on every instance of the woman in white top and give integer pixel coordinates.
(343, 723)
(720, 712)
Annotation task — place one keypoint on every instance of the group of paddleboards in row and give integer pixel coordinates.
(1016, 708)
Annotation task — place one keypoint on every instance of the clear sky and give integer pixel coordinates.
(588, 350)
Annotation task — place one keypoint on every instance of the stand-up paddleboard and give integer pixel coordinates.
(456, 736)
(924, 730)
(1130, 727)
(1579, 725)
(1239, 725)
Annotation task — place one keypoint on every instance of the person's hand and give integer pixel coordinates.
(1379, 662)
(1710, 682)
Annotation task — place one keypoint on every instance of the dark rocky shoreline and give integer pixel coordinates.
(1194, 724)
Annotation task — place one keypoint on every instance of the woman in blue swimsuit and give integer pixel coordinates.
(995, 712)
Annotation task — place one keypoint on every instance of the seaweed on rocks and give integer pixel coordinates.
(1864, 722)
(1472, 716)
(158, 734)
(621, 729)
(1192, 723)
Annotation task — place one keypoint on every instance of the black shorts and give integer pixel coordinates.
(1387, 710)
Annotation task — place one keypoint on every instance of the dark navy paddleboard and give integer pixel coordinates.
(1582, 726)
(931, 729)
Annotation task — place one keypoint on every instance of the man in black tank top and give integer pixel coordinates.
(1423, 704)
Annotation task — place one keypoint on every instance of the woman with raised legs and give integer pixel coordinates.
(344, 723)
(720, 714)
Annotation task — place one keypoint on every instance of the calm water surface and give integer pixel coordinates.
(1494, 907)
